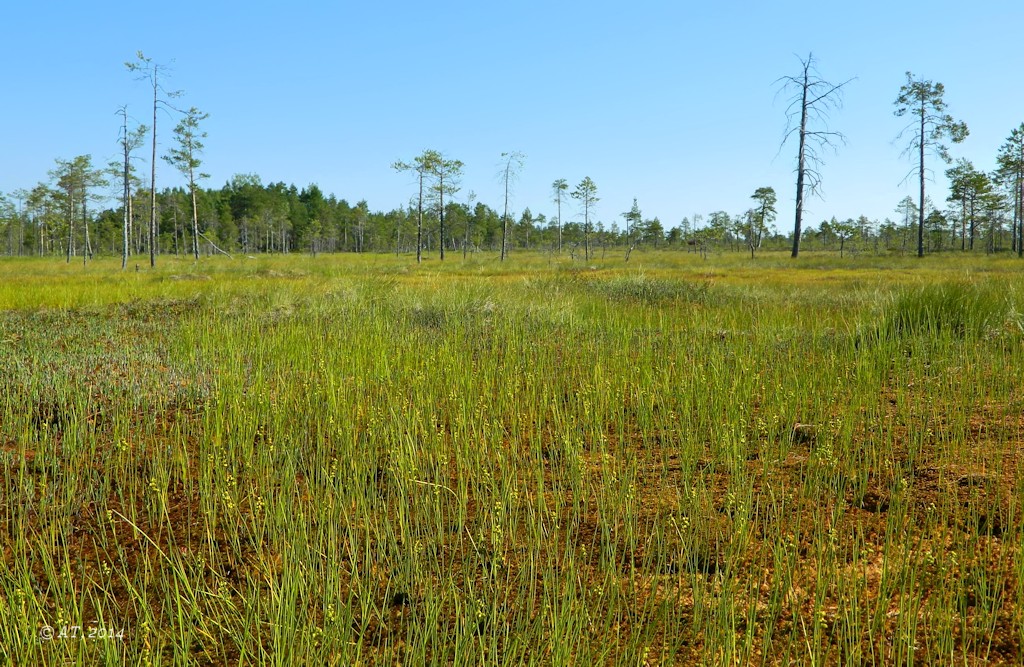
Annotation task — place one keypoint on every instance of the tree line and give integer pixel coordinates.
(69, 214)
(63, 219)
(249, 217)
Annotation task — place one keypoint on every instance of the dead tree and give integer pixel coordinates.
(812, 100)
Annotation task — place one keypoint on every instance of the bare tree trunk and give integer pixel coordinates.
(963, 224)
(152, 179)
(87, 250)
(801, 166)
(1020, 204)
(972, 227)
(504, 220)
(71, 225)
(133, 232)
(629, 251)
(174, 233)
(815, 97)
(195, 213)
(419, 223)
(440, 195)
(920, 212)
(1020, 222)
(559, 224)
(127, 194)
(228, 255)
(586, 238)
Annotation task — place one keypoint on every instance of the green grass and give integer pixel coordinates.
(962, 309)
(357, 460)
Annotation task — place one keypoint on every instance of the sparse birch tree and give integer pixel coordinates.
(151, 72)
(68, 182)
(761, 217)
(130, 141)
(74, 179)
(1011, 171)
(633, 221)
(931, 126)
(469, 221)
(447, 173)
(421, 165)
(586, 194)
(185, 158)
(844, 231)
(559, 188)
(512, 164)
(812, 99)
(969, 187)
(39, 202)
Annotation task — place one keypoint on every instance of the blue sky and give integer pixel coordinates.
(673, 103)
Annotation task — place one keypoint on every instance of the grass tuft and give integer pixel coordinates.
(640, 288)
(957, 309)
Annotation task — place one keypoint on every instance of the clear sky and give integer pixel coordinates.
(673, 103)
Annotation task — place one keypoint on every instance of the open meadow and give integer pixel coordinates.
(354, 460)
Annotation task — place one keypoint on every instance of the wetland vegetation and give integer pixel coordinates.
(356, 460)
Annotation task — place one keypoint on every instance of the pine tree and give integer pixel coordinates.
(931, 127)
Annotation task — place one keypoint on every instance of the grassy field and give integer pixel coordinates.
(357, 460)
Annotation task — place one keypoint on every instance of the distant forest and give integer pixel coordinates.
(69, 215)
(249, 217)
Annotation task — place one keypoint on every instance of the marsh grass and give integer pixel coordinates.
(354, 460)
(959, 309)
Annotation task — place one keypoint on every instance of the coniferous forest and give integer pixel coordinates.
(84, 209)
